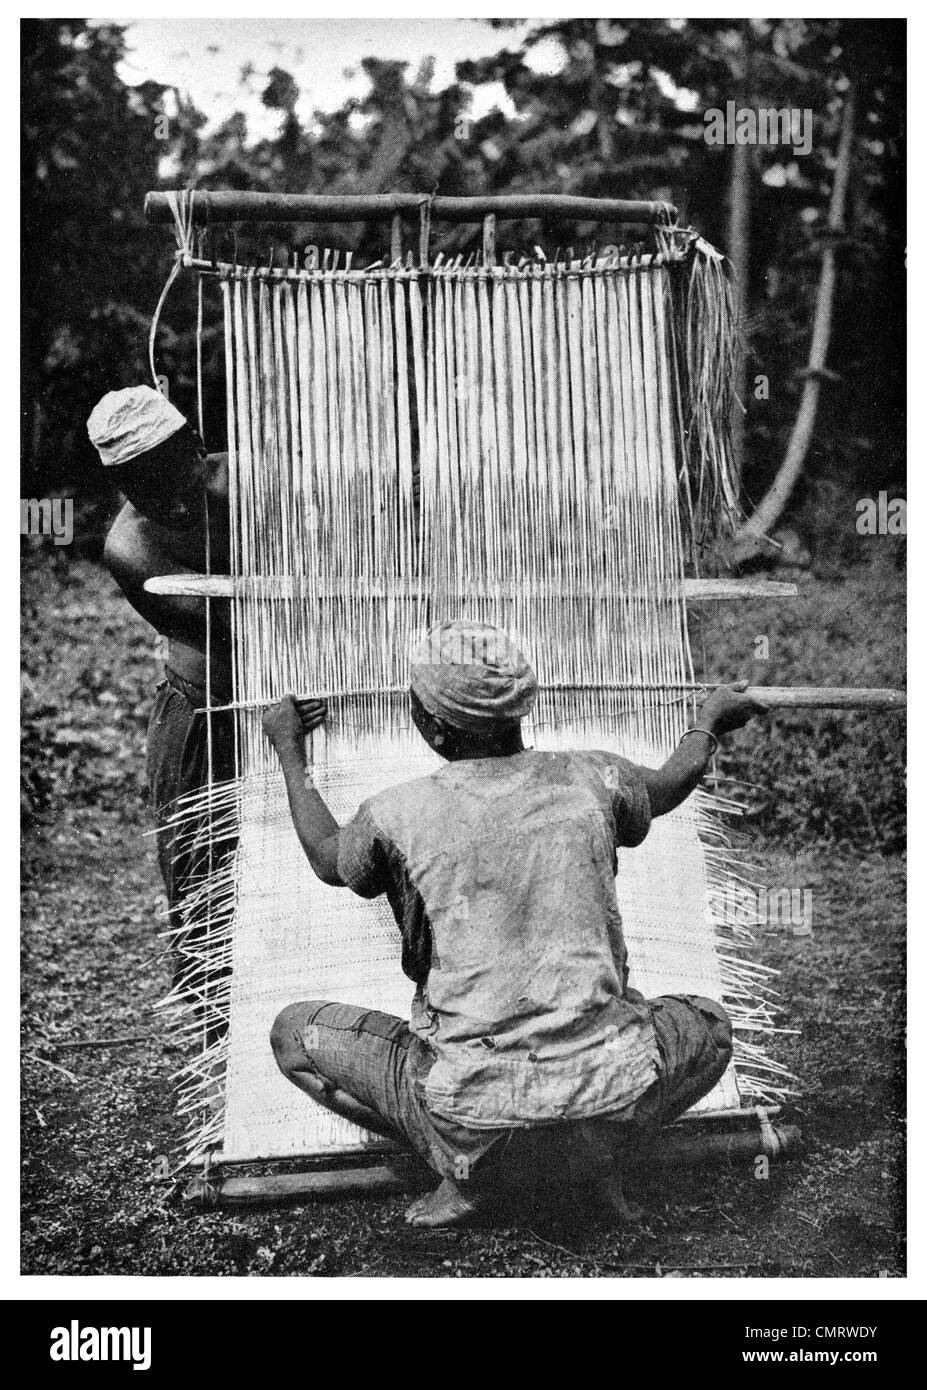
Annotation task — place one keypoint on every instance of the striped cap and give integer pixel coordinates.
(472, 675)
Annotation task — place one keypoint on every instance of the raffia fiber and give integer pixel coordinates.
(564, 429)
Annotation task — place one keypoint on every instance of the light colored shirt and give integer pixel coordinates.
(501, 875)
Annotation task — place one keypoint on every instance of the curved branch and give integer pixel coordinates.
(748, 543)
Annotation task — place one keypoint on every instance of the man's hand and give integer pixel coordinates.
(288, 722)
(725, 709)
(728, 708)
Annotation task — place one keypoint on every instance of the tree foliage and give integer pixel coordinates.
(594, 106)
(89, 264)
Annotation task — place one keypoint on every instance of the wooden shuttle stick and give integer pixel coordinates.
(771, 696)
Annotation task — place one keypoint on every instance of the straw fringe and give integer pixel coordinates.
(748, 993)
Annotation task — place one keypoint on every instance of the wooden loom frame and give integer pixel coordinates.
(743, 1133)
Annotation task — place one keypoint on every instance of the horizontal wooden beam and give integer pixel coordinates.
(734, 1146)
(369, 1154)
(269, 1189)
(676, 1149)
(288, 586)
(233, 206)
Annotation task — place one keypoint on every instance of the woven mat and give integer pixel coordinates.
(298, 939)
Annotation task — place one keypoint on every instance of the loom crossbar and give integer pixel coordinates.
(234, 206)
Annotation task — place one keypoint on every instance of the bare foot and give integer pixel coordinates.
(627, 1213)
(596, 1173)
(611, 1195)
(446, 1207)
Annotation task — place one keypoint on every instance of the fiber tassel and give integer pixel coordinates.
(706, 331)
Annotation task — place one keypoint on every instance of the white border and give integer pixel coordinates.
(14, 1286)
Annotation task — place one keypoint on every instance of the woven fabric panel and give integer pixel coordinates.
(298, 939)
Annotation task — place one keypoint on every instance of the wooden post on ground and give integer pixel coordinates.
(739, 1138)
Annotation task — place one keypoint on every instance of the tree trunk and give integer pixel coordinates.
(738, 249)
(749, 541)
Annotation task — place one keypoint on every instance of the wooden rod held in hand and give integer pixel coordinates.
(826, 697)
(772, 697)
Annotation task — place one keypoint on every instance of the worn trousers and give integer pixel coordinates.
(375, 1059)
(178, 764)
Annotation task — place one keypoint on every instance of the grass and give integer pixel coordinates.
(96, 1122)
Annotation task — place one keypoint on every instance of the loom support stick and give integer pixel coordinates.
(714, 590)
(269, 1189)
(283, 586)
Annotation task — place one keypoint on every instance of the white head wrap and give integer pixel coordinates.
(125, 424)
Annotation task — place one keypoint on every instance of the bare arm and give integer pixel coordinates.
(136, 549)
(669, 785)
(726, 709)
(286, 725)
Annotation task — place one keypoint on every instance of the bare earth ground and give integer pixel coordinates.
(95, 1121)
